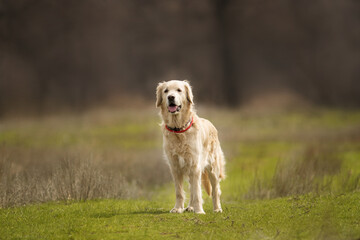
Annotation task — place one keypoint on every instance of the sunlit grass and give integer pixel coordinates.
(305, 217)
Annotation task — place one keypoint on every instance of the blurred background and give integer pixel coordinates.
(279, 79)
(79, 54)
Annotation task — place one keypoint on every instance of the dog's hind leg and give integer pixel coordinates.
(216, 192)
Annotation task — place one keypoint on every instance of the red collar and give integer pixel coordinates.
(177, 130)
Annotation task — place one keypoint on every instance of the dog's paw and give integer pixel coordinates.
(200, 211)
(219, 210)
(189, 209)
(176, 210)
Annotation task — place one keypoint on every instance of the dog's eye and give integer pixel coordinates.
(166, 91)
(179, 90)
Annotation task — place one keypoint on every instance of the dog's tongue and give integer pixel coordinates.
(172, 108)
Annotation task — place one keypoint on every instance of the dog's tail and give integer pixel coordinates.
(206, 182)
(222, 166)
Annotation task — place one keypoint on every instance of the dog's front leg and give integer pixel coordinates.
(179, 204)
(195, 191)
(190, 208)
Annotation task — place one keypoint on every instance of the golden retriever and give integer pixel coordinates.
(191, 146)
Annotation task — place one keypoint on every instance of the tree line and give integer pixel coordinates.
(79, 53)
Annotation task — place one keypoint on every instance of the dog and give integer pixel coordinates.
(191, 147)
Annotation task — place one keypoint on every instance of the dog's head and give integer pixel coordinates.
(174, 96)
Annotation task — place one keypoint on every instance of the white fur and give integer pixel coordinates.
(195, 154)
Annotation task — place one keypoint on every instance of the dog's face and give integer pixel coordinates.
(174, 96)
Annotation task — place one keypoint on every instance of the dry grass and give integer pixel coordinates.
(69, 179)
(118, 154)
(40, 175)
(102, 154)
(314, 169)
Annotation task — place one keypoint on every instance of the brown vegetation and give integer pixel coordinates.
(116, 153)
(69, 179)
(310, 170)
(102, 154)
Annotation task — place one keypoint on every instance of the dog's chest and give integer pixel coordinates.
(181, 162)
(180, 144)
(182, 154)
(182, 150)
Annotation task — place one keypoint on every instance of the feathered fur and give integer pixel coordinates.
(196, 153)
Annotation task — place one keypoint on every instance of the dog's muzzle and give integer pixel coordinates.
(173, 108)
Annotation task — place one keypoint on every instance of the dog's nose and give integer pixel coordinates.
(171, 98)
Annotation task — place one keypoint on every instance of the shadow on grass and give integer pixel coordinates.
(154, 212)
(113, 214)
(105, 215)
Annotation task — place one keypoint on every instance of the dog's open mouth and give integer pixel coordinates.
(174, 108)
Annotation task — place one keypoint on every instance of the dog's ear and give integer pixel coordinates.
(189, 94)
(159, 90)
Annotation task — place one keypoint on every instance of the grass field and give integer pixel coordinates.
(99, 175)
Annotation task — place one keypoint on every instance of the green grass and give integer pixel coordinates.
(254, 144)
(305, 217)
